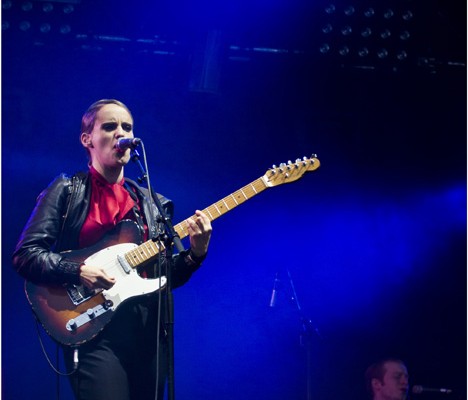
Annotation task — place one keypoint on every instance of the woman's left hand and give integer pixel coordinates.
(199, 229)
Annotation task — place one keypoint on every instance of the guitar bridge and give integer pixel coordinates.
(79, 293)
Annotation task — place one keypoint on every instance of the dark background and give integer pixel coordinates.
(374, 241)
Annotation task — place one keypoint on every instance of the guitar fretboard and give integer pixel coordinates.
(285, 173)
(151, 249)
(225, 205)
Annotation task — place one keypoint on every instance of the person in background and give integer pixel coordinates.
(75, 212)
(387, 380)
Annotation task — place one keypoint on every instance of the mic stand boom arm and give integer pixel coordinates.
(171, 237)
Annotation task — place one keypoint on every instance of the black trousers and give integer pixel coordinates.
(121, 362)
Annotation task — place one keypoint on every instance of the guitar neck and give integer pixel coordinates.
(275, 176)
(150, 249)
(225, 205)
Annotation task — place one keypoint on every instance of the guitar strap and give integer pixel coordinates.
(144, 229)
(71, 189)
(136, 211)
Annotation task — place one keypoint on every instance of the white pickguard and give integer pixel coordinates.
(127, 285)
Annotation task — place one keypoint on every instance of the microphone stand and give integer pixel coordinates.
(170, 238)
(308, 331)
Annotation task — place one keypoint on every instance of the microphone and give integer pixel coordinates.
(127, 143)
(417, 389)
(274, 292)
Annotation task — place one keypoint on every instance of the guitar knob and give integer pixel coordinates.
(108, 304)
(90, 313)
(72, 324)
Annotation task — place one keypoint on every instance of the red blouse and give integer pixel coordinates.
(110, 203)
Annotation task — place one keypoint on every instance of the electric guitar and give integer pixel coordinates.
(74, 314)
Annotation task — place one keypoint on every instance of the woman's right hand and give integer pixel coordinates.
(95, 277)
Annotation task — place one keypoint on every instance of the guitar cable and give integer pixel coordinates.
(60, 373)
(57, 360)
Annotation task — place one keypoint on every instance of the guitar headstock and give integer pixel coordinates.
(290, 171)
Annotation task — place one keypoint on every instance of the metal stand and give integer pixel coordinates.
(309, 331)
(170, 238)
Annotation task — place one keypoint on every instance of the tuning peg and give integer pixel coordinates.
(293, 165)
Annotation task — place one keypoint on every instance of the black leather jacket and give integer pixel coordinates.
(55, 224)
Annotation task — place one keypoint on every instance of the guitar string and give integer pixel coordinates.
(221, 207)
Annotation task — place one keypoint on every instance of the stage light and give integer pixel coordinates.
(346, 31)
(366, 32)
(327, 28)
(370, 12)
(382, 53)
(24, 25)
(64, 29)
(324, 48)
(363, 52)
(330, 9)
(369, 33)
(388, 13)
(268, 50)
(68, 9)
(385, 34)
(45, 27)
(349, 11)
(405, 35)
(344, 51)
(115, 39)
(407, 15)
(402, 55)
(47, 7)
(34, 18)
(27, 6)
